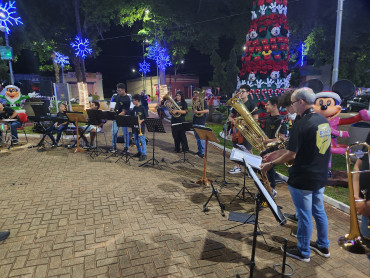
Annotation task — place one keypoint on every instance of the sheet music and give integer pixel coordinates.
(238, 155)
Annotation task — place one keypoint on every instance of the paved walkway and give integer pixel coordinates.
(73, 216)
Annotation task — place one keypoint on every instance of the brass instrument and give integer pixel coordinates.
(138, 121)
(250, 130)
(354, 242)
(247, 126)
(281, 143)
(198, 102)
(171, 105)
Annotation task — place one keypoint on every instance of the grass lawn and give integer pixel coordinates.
(338, 163)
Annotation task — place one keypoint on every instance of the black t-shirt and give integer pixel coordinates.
(201, 120)
(183, 106)
(62, 118)
(142, 113)
(310, 140)
(365, 177)
(122, 103)
(7, 113)
(144, 100)
(250, 106)
(272, 123)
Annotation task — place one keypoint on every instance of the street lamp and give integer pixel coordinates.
(7, 16)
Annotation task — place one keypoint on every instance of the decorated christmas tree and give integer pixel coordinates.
(265, 61)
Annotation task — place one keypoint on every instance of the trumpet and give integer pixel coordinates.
(138, 121)
(354, 242)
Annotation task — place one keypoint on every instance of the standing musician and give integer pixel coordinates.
(139, 132)
(309, 146)
(180, 136)
(123, 102)
(273, 122)
(238, 139)
(199, 118)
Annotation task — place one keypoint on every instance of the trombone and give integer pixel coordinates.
(354, 242)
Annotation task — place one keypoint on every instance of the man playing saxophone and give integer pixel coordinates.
(309, 146)
(244, 92)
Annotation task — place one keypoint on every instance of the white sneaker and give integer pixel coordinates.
(274, 193)
(235, 170)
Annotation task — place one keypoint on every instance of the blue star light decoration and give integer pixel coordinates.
(8, 16)
(163, 61)
(61, 59)
(144, 67)
(81, 47)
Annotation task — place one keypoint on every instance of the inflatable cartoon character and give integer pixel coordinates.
(328, 105)
(13, 97)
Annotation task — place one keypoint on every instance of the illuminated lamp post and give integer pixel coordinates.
(144, 68)
(61, 60)
(7, 16)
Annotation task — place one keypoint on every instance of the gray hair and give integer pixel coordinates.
(306, 94)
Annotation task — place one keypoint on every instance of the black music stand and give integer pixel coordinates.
(96, 117)
(224, 182)
(180, 127)
(41, 111)
(261, 196)
(153, 125)
(126, 121)
(244, 189)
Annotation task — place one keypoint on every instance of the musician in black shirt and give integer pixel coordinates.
(123, 102)
(9, 113)
(59, 126)
(199, 119)
(178, 116)
(273, 122)
(244, 92)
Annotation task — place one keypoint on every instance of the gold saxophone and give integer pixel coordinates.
(198, 102)
(250, 130)
(354, 242)
(171, 105)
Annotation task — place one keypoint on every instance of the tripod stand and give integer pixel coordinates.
(224, 182)
(125, 121)
(153, 125)
(96, 118)
(214, 193)
(244, 189)
(182, 127)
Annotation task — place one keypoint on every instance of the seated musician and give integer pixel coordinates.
(139, 134)
(95, 105)
(59, 126)
(9, 113)
(179, 136)
(238, 140)
(272, 123)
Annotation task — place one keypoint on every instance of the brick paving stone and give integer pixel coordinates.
(73, 216)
